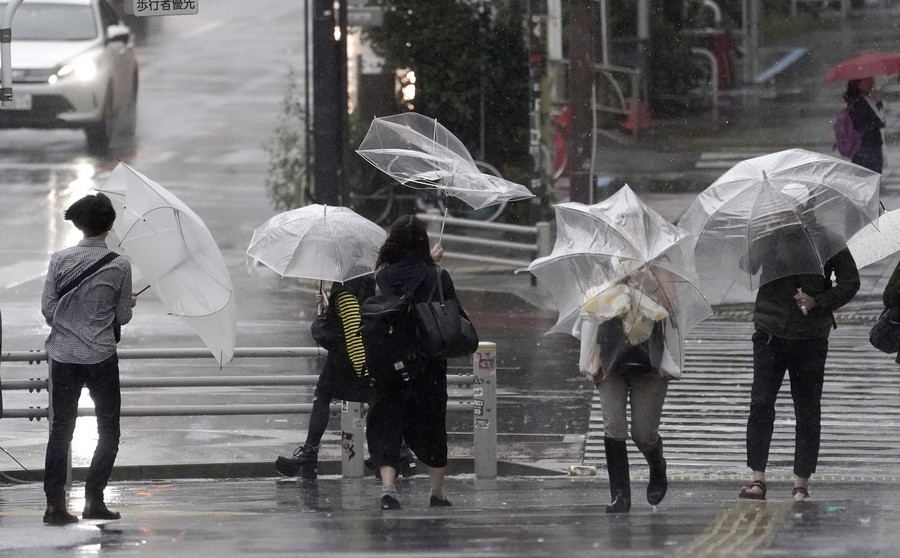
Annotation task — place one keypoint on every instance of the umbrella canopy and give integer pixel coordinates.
(418, 152)
(872, 244)
(781, 214)
(318, 242)
(172, 248)
(867, 65)
(620, 259)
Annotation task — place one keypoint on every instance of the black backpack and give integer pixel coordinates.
(390, 337)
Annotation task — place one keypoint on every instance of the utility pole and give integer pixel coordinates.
(581, 77)
(328, 112)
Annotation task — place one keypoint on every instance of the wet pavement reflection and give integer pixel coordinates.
(513, 516)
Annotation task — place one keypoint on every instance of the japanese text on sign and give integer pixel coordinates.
(165, 7)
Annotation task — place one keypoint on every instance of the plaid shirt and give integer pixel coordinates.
(81, 323)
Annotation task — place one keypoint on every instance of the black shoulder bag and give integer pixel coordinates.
(94, 268)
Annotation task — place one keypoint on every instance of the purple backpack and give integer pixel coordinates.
(846, 139)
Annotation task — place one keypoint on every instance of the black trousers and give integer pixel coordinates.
(102, 381)
(804, 361)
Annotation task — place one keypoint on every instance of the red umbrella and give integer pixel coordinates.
(867, 65)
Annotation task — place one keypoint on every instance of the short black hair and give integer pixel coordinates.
(93, 214)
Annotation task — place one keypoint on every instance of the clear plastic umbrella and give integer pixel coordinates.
(620, 259)
(781, 214)
(872, 244)
(172, 248)
(327, 243)
(418, 152)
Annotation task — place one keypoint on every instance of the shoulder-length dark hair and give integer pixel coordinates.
(407, 237)
(852, 93)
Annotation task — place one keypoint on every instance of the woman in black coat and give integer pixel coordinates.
(410, 402)
(865, 104)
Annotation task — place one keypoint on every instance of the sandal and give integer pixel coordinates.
(802, 491)
(747, 495)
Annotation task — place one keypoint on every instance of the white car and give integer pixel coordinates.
(73, 66)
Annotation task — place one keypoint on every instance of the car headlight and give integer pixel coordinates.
(83, 69)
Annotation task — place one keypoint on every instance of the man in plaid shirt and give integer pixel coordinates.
(82, 352)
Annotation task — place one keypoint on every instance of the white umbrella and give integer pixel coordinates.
(781, 214)
(873, 244)
(417, 151)
(172, 248)
(318, 242)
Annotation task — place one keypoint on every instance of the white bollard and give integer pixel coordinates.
(484, 368)
(353, 440)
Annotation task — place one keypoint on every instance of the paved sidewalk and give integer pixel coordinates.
(518, 516)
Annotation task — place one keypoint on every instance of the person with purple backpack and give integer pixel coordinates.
(866, 108)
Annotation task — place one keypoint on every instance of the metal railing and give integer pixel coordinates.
(482, 404)
(457, 246)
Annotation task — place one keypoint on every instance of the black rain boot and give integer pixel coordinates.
(95, 508)
(619, 476)
(659, 484)
(56, 512)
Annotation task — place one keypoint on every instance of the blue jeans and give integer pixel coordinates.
(804, 361)
(102, 381)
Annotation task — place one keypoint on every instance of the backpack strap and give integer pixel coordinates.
(110, 256)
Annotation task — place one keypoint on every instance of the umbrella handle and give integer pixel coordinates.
(802, 306)
(142, 290)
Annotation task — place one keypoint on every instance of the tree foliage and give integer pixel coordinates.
(462, 56)
(289, 173)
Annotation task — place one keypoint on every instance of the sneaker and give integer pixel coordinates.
(388, 502)
(436, 502)
(303, 455)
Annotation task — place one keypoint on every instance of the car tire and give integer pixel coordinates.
(99, 135)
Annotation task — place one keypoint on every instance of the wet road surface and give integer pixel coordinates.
(517, 516)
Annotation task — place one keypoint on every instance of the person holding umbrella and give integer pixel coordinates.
(625, 283)
(792, 317)
(344, 375)
(866, 107)
(88, 289)
(411, 409)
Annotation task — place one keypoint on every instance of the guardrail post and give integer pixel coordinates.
(353, 440)
(484, 368)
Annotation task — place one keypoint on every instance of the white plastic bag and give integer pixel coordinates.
(589, 358)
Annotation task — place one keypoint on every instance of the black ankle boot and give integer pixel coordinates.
(619, 476)
(659, 484)
(304, 456)
(57, 514)
(95, 508)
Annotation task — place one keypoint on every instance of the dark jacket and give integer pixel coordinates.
(866, 121)
(777, 314)
(403, 275)
(891, 295)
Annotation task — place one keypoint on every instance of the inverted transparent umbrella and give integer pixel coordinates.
(786, 213)
(174, 250)
(321, 242)
(620, 259)
(418, 152)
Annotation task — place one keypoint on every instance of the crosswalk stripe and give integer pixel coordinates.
(705, 414)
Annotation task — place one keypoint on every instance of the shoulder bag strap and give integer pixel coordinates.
(87, 273)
